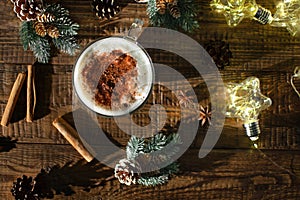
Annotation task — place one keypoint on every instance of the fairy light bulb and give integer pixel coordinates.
(236, 10)
(245, 101)
(288, 15)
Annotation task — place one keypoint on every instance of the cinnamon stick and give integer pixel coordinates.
(13, 97)
(31, 95)
(72, 137)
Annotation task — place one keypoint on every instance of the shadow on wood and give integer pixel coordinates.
(84, 115)
(6, 144)
(19, 112)
(43, 79)
(58, 180)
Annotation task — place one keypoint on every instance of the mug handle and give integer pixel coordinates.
(135, 30)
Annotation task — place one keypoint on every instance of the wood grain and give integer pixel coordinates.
(233, 170)
(224, 174)
(72, 137)
(13, 98)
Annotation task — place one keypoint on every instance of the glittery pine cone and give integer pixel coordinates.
(53, 31)
(161, 6)
(27, 10)
(105, 8)
(174, 9)
(23, 189)
(45, 17)
(220, 53)
(40, 29)
(127, 171)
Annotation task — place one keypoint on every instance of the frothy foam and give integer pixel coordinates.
(107, 45)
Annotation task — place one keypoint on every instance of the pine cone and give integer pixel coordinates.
(46, 17)
(220, 53)
(161, 6)
(53, 31)
(27, 10)
(105, 8)
(23, 189)
(174, 9)
(127, 171)
(40, 29)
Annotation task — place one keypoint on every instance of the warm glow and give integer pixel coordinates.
(245, 101)
(288, 15)
(236, 10)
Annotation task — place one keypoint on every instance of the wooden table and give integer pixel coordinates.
(233, 170)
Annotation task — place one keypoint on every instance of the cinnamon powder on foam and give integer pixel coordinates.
(112, 78)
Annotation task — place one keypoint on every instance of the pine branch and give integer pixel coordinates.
(171, 149)
(187, 21)
(170, 169)
(140, 147)
(174, 139)
(66, 26)
(155, 143)
(189, 8)
(66, 44)
(25, 32)
(39, 45)
(165, 147)
(152, 9)
(134, 147)
(67, 29)
(57, 10)
(62, 20)
(153, 180)
(160, 178)
(41, 49)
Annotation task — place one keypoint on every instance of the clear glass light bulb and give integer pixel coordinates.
(288, 15)
(236, 10)
(245, 101)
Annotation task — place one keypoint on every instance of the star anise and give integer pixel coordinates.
(204, 115)
(184, 100)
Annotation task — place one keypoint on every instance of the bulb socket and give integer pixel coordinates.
(263, 15)
(252, 130)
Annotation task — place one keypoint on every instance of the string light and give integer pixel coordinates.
(236, 10)
(288, 15)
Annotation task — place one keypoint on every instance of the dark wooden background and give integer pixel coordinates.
(233, 170)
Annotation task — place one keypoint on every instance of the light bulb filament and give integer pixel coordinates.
(245, 101)
(236, 10)
(288, 15)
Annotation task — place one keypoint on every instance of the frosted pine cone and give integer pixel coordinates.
(27, 10)
(127, 171)
(105, 8)
(53, 31)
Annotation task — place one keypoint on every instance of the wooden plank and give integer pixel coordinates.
(54, 94)
(262, 48)
(234, 170)
(223, 174)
